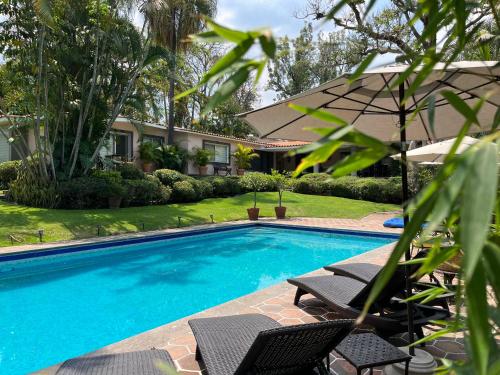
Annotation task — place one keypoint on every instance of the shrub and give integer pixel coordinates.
(129, 171)
(8, 173)
(265, 182)
(200, 156)
(147, 191)
(30, 189)
(168, 176)
(312, 183)
(383, 190)
(83, 192)
(148, 152)
(183, 191)
(243, 156)
(224, 186)
(113, 184)
(203, 188)
(171, 157)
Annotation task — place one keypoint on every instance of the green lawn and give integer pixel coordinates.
(24, 222)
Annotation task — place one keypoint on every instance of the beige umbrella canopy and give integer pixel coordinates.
(435, 153)
(372, 108)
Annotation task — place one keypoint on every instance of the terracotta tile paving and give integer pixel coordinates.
(277, 303)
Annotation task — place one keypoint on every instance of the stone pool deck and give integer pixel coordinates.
(277, 303)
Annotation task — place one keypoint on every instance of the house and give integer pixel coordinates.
(127, 135)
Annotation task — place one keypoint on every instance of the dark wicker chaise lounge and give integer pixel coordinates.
(257, 344)
(347, 297)
(133, 363)
(364, 272)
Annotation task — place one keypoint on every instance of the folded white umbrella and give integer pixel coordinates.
(435, 153)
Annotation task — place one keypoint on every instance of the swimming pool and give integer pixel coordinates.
(54, 307)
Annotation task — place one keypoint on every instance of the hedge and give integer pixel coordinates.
(8, 173)
(382, 190)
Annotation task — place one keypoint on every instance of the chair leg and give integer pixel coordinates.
(298, 294)
(420, 334)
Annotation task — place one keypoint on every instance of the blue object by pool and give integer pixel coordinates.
(395, 222)
(59, 306)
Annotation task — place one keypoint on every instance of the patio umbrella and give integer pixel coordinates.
(435, 153)
(373, 107)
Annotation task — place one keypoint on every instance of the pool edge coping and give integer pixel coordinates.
(75, 246)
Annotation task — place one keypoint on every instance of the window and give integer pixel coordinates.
(220, 151)
(122, 144)
(156, 139)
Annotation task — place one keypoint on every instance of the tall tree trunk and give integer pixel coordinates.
(171, 89)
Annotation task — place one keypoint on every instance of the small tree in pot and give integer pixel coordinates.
(147, 153)
(253, 182)
(243, 156)
(282, 184)
(113, 188)
(201, 157)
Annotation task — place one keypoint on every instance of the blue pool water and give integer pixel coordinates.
(60, 306)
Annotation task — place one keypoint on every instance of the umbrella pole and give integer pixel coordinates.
(404, 182)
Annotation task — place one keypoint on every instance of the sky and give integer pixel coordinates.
(279, 16)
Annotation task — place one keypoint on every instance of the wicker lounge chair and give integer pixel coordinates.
(133, 363)
(364, 272)
(257, 344)
(347, 297)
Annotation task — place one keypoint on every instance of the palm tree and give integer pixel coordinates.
(170, 23)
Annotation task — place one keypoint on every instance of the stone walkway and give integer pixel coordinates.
(277, 303)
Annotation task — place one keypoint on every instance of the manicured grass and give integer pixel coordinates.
(23, 222)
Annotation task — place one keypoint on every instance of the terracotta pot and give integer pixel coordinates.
(147, 167)
(253, 213)
(280, 212)
(114, 202)
(240, 172)
(202, 170)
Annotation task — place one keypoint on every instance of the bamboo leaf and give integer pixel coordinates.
(362, 67)
(477, 320)
(358, 160)
(431, 114)
(462, 107)
(268, 44)
(491, 254)
(413, 227)
(319, 155)
(479, 195)
(228, 88)
(319, 114)
(231, 35)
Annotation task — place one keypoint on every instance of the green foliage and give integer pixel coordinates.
(281, 182)
(183, 191)
(383, 190)
(303, 63)
(147, 191)
(254, 181)
(129, 171)
(171, 157)
(223, 186)
(148, 152)
(200, 156)
(31, 190)
(82, 193)
(243, 156)
(8, 173)
(168, 176)
(113, 186)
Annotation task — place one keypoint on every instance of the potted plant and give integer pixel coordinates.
(113, 188)
(253, 182)
(201, 157)
(147, 153)
(281, 184)
(243, 156)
